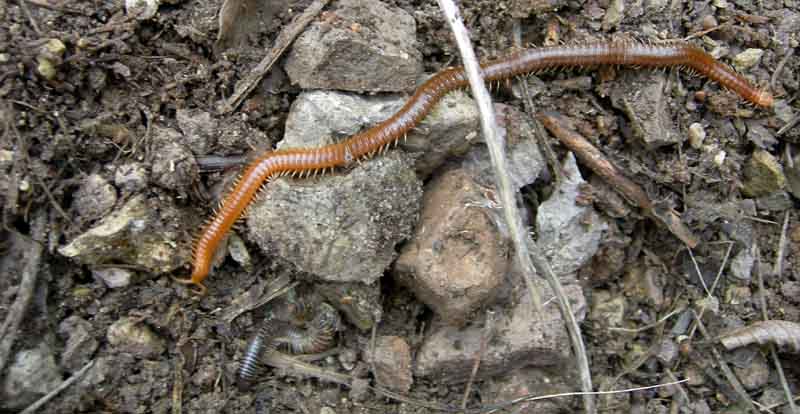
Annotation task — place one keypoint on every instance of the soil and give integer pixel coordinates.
(118, 77)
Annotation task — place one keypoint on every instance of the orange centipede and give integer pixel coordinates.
(377, 138)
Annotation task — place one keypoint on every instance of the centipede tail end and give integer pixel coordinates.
(198, 288)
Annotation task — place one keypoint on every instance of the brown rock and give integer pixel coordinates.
(392, 363)
(457, 257)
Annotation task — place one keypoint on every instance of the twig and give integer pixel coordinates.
(285, 38)
(488, 330)
(762, 303)
(528, 254)
(777, 268)
(30, 17)
(45, 5)
(601, 166)
(69, 381)
(779, 68)
(30, 271)
(729, 375)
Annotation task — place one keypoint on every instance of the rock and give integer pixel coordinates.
(94, 198)
(522, 338)
(641, 96)
(642, 284)
(342, 227)
(173, 164)
(742, 264)
(392, 362)
(568, 233)
(667, 352)
(607, 309)
(131, 177)
(531, 381)
(776, 202)
(115, 277)
(523, 8)
(525, 161)
(318, 117)
(614, 14)
(755, 373)
(793, 178)
(143, 232)
(738, 295)
(238, 251)
(50, 55)
(32, 374)
(199, 128)
(697, 134)
(360, 303)
(361, 45)
(760, 136)
(80, 344)
(131, 336)
(457, 257)
(763, 175)
(142, 9)
(747, 59)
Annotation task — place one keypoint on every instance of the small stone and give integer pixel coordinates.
(32, 374)
(763, 175)
(614, 14)
(327, 410)
(747, 59)
(80, 344)
(133, 337)
(360, 303)
(95, 198)
(115, 277)
(737, 295)
(381, 56)
(142, 9)
(348, 358)
(640, 95)
(130, 177)
(719, 158)
(720, 4)
(457, 257)
(742, 265)
(50, 55)
(173, 164)
(393, 363)
(667, 352)
(776, 202)
(238, 251)
(199, 129)
(4, 58)
(569, 233)
(755, 375)
(696, 135)
(607, 309)
(140, 233)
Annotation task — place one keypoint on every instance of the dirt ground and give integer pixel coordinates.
(87, 104)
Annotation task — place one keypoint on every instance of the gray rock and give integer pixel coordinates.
(640, 95)
(364, 46)
(522, 338)
(759, 135)
(776, 202)
(131, 336)
(80, 344)
(32, 374)
(747, 59)
(793, 178)
(607, 309)
(94, 198)
(319, 117)
(763, 175)
(131, 177)
(115, 277)
(531, 381)
(523, 8)
(755, 373)
(173, 164)
(568, 233)
(360, 303)
(199, 129)
(136, 234)
(525, 161)
(457, 257)
(392, 362)
(342, 227)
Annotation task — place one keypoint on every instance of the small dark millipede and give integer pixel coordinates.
(374, 140)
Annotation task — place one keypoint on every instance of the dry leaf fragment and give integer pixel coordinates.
(784, 334)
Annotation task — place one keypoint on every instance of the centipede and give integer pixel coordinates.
(298, 327)
(307, 161)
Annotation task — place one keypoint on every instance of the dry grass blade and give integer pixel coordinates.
(784, 334)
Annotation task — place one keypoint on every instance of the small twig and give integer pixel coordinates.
(285, 38)
(30, 271)
(729, 375)
(597, 162)
(777, 268)
(779, 68)
(61, 387)
(649, 326)
(488, 331)
(762, 303)
(789, 125)
(30, 17)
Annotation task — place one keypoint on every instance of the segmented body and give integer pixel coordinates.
(312, 160)
(308, 330)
